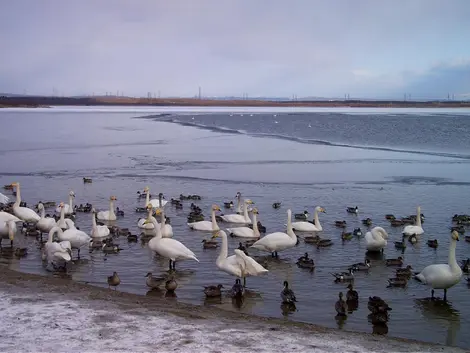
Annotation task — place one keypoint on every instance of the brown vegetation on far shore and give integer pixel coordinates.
(41, 101)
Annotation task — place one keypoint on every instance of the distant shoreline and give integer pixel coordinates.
(47, 102)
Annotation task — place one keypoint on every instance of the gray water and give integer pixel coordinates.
(49, 151)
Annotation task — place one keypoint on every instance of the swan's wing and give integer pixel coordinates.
(272, 239)
(434, 272)
(201, 225)
(304, 226)
(175, 247)
(243, 232)
(4, 199)
(233, 218)
(251, 266)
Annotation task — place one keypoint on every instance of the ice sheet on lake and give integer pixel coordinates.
(33, 323)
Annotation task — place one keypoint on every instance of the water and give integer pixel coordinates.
(49, 151)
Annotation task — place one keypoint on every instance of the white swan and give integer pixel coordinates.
(167, 247)
(443, 276)
(57, 252)
(278, 241)
(62, 222)
(376, 239)
(68, 207)
(238, 196)
(239, 219)
(5, 217)
(141, 222)
(416, 229)
(45, 224)
(23, 213)
(7, 231)
(166, 229)
(108, 215)
(76, 237)
(247, 232)
(4, 199)
(160, 202)
(307, 226)
(240, 264)
(97, 231)
(207, 225)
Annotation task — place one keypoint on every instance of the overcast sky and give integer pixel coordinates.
(367, 48)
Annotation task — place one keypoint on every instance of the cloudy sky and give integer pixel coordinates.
(367, 48)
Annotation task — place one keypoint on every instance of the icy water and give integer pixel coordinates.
(383, 161)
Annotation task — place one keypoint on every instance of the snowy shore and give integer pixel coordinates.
(45, 314)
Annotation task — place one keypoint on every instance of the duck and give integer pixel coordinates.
(443, 276)
(171, 284)
(64, 223)
(394, 262)
(287, 294)
(301, 216)
(209, 244)
(361, 266)
(87, 180)
(132, 237)
(416, 229)
(403, 272)
(278, 241)
(45, 224)
(228, 204)
(309, 226)
(341, 306)
(351, 294)
(376, 239)
(98, 232)
(377, 305)
(108, 215)
(276, 205)
(305, 262)
(340, 224)
(114, 280)
(354, 210)
(169, 248)
(401, 244)
(413, 239)
(56, 252)
(213, 291)
(324, 243)
(207, 225)
(154, 282)
(24, 213)
(238, 290)
(240, 264)
(119, 212)
(76, 237)
(8, 230)
(247, 232)
(346, 236)
(68, 207)
(397, 282)
(390, 217)
(357, 232)
(343, 276)
(110, 248)
(239, 219)
(367, 222)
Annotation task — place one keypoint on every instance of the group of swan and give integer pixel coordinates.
(237, 218)
(67, 208)
(108, 215)
(247, 232)
(56, 252)
(166, 229)
(24, 213)
(160, 202)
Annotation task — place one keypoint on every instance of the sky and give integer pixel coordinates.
(364, 48)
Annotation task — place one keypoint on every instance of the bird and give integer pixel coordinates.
(114, 280)
(287, 294)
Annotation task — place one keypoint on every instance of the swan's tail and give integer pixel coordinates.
(63, 255)
(193, 257)
(418, 276)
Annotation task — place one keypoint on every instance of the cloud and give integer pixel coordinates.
(365, 48)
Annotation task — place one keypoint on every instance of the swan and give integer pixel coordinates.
(443, 276)
(108, 215)
(247, 232)
(166, 229)
(68, 207)
(240, 264)
(307, 226)
(5, 217)
(376, 239)
(239, 219)
(7, 231)
(207, 225)
(416, 229)
(62, 222)
(238, 196)
(141, 222)
(96, 230)
(160, 202)
(45, 224)
(76, 237)
(168, 247)
(4, 199)
(57, 251)
(278, 241)
(23, 213)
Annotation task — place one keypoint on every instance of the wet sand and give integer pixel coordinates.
(52, 314)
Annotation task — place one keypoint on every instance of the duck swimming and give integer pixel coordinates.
(340, 305)
(213, 291)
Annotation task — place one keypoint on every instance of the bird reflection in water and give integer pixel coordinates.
(379, 315)
(288, 308)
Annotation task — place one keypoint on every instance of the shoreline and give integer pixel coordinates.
(47, 102)
(20, 283)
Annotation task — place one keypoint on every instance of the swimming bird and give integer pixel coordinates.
(306, 226)
(354, 210)
(45, 224)
(239, 219)
(443, 276)
(247, 232)
(98, 232)
(394, 262)
(351, 294)
(23, 213)
(376, 239)
(287, 294)
(213, 291)
(154, 282)
(57, 252)
(277, 205)
(416, 229)
(171, 284)
(341, 306)
(238, 290)
(207, 225)
(108, 215)
(114, 280)
(68, 207)
(7, 231)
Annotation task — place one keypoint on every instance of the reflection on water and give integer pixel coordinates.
(288, 308)
(340, 320)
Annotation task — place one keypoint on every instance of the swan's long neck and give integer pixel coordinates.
(111, 208)
(18, 195)
(214, 221)
(452, 261)
(317, 220)
(290, 231)
(150, 212)
(54, 230)
(418, 217)
(160, 201)
(255, 225)
(245, 211)
(223, 249)
(93, 220)
(147, 198)
(71, 202)
(238, 204)
(162, 219)
(43, 213)
(156, 226)
(62, 214)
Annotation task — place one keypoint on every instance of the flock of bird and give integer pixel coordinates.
(64, 236)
